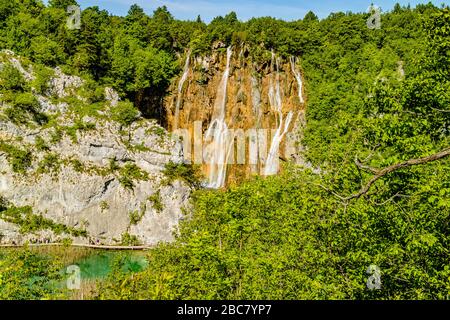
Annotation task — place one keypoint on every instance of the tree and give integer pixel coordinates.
(231, 18)
(7, 8)
(159, 29)
(47, 51)
(62, 4)
(397, 8)
(135, 14)
(310, 16)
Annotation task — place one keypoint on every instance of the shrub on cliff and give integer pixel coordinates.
(188, 173)
(124, 113)
(19, 159)
(11, 79)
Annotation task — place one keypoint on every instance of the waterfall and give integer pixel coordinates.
(298, 77)
(180, 89)
(219, 148)
(254, 141)
(272, 162)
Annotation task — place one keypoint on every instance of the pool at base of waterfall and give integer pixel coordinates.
(100, 264)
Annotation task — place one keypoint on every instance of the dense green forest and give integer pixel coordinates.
(378, 121)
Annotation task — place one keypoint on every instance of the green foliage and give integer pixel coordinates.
(11, 79)
(66, 242)
(113, 166)
(156, 201)
(124, 113)
(56, 135)
(251, 241)
(310, 16)
(46, 51)
(24, 106)
(25, 275)
(129, 240)
(104, 205)
(129, 173)
(92, 92)
(159, 131)
(79, 125)
(135, 67)
(3, 203)
(19, 159)
(188, 173)
(16, 116)
(43, 76)
(26, 101)
(135, 217)
(29, 222)
(62, 4)
(77, 165)
(49, 164)
(40, 144)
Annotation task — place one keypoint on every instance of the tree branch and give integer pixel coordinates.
(365, 167)
(379, 173)
(440, 110)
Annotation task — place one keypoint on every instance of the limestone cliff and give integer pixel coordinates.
(248, 104)
(85, 175)
(83, 170)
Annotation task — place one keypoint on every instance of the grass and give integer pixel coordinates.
(156, 201)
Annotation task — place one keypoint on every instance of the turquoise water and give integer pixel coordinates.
(99, 265)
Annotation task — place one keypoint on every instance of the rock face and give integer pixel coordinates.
(77, 179)
(88, 172)
(248, 104)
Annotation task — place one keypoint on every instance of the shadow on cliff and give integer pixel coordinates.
(150, 102)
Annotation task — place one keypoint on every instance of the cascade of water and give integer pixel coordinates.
(272, 163)
(180, 89)
(298, 77)
(254, 140)
(220, 147)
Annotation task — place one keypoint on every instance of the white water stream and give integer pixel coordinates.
(220, 147)
(180, 90)
(298, 77)
(272, 162)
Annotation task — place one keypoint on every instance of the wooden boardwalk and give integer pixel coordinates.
(80, 245)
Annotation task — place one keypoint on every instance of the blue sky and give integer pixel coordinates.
(246, 9)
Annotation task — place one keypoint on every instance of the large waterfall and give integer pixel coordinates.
(221, 143)
(298, 77)
(180, 89)
(258, 148)
(272, 162)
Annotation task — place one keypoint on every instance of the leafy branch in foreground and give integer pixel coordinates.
(379, 173)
